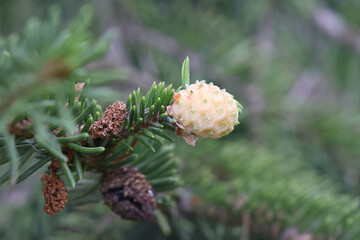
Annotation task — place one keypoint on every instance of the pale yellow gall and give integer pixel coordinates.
(204, 110)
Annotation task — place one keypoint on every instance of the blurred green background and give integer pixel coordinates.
(289, 171)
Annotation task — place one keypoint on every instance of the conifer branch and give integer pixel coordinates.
(49, 116)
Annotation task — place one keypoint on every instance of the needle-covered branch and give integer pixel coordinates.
(49, 117)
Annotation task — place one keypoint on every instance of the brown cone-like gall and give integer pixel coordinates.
(111, 123)
(55, 193)
(128, 194)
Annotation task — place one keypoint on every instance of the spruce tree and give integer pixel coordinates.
(288, 171)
